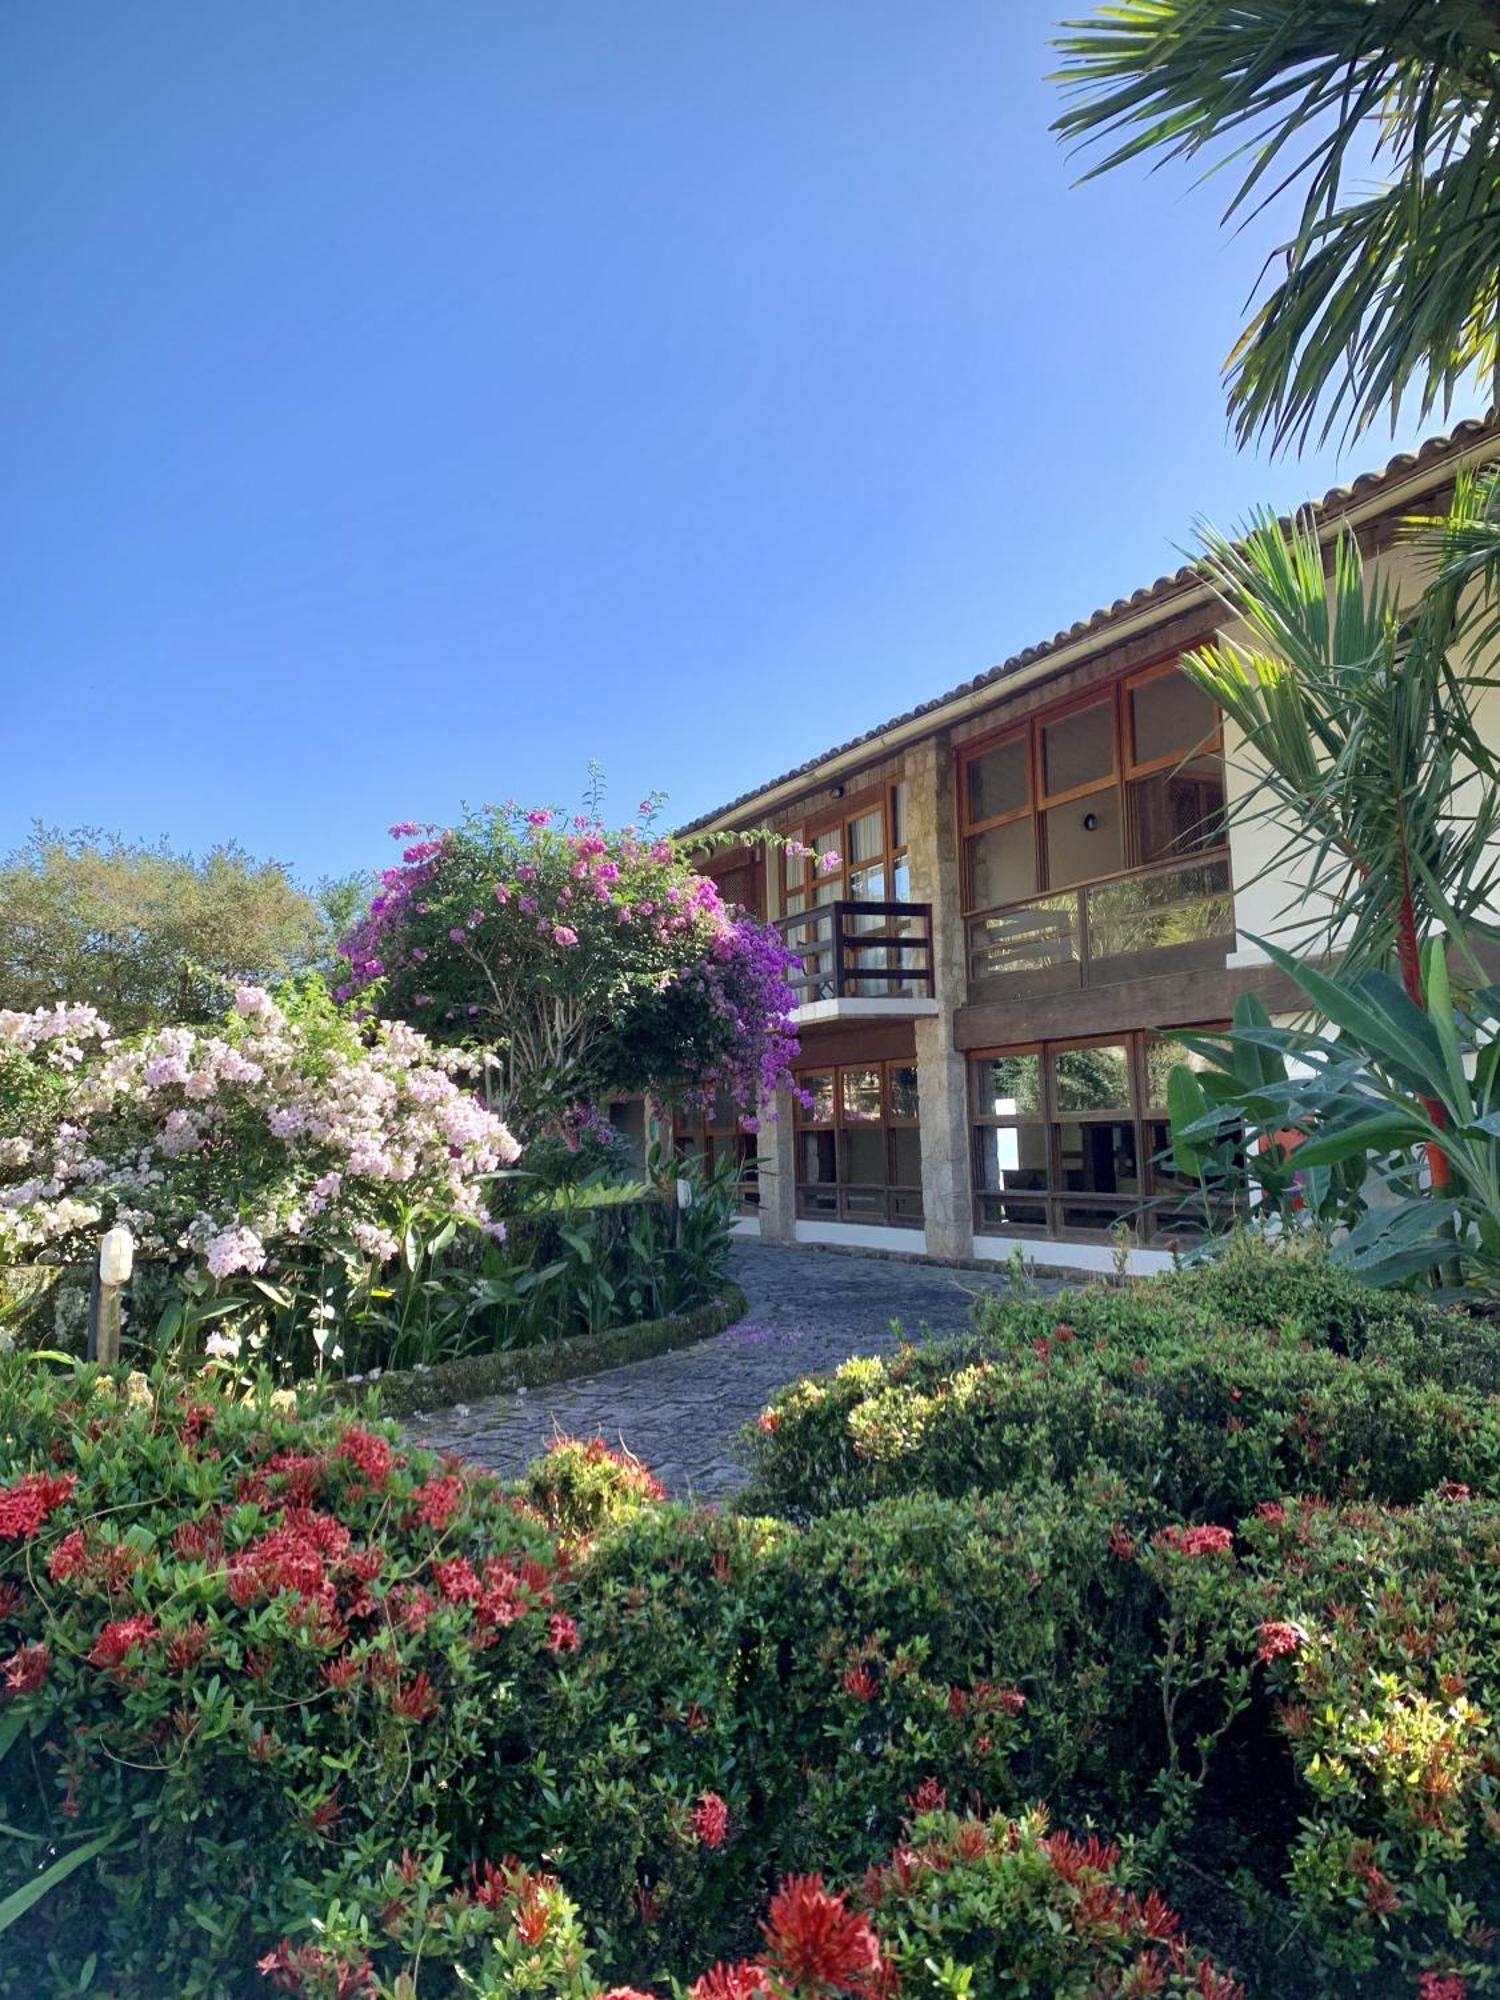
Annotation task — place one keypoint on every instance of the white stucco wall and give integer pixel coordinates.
(1273, 895)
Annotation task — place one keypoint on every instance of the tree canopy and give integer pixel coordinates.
(145, 933)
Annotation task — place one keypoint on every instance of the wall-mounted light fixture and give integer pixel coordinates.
(835, 791)
(1091, 822)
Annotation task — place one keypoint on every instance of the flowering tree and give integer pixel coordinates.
(584, 961)
(290, 1135)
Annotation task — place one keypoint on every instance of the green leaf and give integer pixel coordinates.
(21, 1900)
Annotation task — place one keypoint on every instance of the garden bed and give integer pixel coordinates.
(410, 1392)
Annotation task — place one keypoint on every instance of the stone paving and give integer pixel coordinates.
(809, 1310)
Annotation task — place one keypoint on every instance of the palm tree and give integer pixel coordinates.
(1382, 292)
(1360, 720)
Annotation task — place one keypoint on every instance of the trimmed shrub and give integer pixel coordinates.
(1210, 1423)
(962, 1906)
(1377, 1633)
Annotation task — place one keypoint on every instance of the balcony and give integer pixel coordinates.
(1175, 917)
(861, 960)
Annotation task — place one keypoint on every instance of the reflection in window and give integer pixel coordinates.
(1092, 1079)
(1067, 1139)
(863, 1162)
(1078, 748)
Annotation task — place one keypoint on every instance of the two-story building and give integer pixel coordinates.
(1036, 891)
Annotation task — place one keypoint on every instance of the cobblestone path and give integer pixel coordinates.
(809, 1311)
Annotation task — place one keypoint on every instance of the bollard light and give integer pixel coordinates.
(116, 1255)
(684, 1194)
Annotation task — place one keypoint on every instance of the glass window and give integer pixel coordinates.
(1179, 811)
(998, 781)
(864, 1163)
(898, 815)
(1169, 717)
(820, 1089)
(906, 1152)
(1013, 1158)
(866, 837)
(903, 1090)
(1096, 1157)
(861, 1095)
(1079, 748)
(1010, 1086)
(1002, 865)
(819, 1157)
(1084, 839)
(1095, 1079)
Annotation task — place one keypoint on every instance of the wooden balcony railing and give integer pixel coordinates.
(872, 951)
(1177, 914)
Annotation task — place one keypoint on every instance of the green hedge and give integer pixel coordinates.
(1213, 1390)
(408, 1392)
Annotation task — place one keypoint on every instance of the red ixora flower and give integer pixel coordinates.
(25, 1505)
(815, 1942)
(743, 1981)
(1441, 1986)
(308, 1968)
(1202, 1541)
(416, 1699)
(25, 1670)
(118, 1638)
(439, 1500)
(711, 1819)
(1277, 1637)
(860, 1682)
(562, 1633)
(928, 1797)
(370, 1452)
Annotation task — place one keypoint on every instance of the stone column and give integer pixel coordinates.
(942, 1073)
(776, 1153)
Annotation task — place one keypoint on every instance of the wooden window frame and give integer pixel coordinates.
(1137, 1211)
(886, 1124)
(1125, 769)
(837, 818)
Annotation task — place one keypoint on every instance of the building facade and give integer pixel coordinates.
(1036, 891)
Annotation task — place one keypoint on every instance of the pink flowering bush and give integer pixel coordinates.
(288, 1150)
(582, 960)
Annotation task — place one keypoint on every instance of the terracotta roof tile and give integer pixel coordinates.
(1334, 501)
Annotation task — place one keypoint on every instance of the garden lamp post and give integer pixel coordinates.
(116, 1259)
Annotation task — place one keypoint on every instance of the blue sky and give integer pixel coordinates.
(405, 404)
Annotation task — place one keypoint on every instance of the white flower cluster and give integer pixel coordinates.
(227, 1146)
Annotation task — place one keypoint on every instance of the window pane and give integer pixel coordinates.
(1098, 1158)
(1078, 748)
(861, 1094)
(1010, 1086)
(997, 781)
(865, 1157)
(1169, 716)
(818, 1157)
(903, 1089)
(866, 837)
(1178, 811)
(1002, 865)
(1162, 1057)
(1013, 1158)
(1002, 1212)
(795, 867)
(898, 815)
(831, 842)
(819, 1088)
(906, 1146)
(1084, 840)
(1092, 1079)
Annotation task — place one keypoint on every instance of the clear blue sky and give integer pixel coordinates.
(404, 403)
